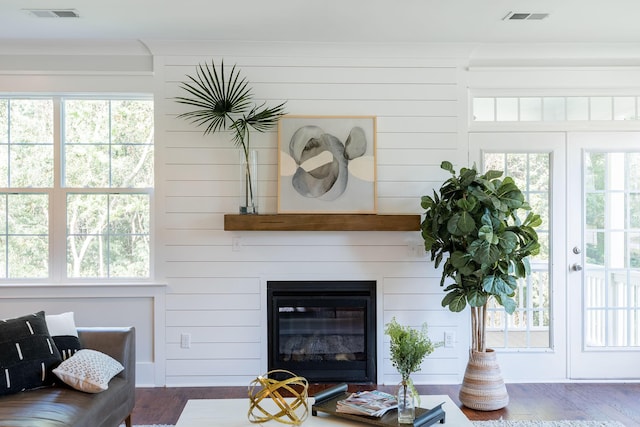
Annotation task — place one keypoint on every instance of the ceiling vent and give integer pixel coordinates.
(53, 13)
(525, 16)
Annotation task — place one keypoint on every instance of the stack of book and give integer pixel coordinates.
(367, 403)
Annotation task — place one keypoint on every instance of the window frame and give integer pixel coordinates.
(57, 256)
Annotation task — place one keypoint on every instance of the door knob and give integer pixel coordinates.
(576, 267)
(576, 250)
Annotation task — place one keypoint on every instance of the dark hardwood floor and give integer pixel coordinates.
(564, 401)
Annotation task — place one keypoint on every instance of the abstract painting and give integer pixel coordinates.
(327, 164)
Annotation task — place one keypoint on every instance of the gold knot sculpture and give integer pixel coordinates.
(292, 412)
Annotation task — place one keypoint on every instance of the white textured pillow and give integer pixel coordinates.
(88, 370)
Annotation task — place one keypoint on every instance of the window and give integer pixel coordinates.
(89, 180)
(555, 108)
(529, 326)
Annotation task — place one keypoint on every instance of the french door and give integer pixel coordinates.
(586, 282)
(603, 287)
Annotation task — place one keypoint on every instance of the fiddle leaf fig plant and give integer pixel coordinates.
(483, 229)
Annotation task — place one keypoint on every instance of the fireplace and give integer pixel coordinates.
(324, 331)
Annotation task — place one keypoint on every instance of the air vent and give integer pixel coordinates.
(53, 13)
(525, 16)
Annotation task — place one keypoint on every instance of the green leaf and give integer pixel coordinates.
(495, 285)
(512, 283)
(486, 254)
(461, 262)
(486, 233)
(492, 174)
(455, 300)
(527, 267)
(460, 224)
(459, 259)
(427, 202)
(476, 298)
(467, 176)
(479, 194)
(468, 204)
(498, 204)
(513, 199)
(507, 186)
(508, 241)
(438, 260)
(532, 220)
(507, 302)
(447, 166)
(428, 241)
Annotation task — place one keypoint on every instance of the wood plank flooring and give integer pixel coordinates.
(561, 401)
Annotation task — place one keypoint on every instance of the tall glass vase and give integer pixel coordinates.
(406, 403)
(249, 182)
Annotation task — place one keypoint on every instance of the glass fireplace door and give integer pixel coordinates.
(323, 334)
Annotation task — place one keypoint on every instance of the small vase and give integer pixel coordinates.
(406, 403)
(249, 182)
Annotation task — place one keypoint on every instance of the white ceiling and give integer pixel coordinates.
(392, 21)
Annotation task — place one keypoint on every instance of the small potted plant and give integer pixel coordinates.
(409, 347)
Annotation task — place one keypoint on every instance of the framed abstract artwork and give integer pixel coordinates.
(327, 164)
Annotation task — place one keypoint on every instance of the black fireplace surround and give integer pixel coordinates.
(324, 331)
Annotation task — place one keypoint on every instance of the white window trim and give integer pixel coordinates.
(57, 257)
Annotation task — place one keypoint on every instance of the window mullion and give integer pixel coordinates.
(57, 199)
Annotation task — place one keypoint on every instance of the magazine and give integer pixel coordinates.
(368, 403)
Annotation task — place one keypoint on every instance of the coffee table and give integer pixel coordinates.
(233, 413)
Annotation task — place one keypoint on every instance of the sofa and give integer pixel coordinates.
(60, 405)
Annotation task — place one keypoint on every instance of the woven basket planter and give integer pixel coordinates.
(483, 387)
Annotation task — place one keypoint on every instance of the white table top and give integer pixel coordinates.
(233, 413)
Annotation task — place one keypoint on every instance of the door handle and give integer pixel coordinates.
(576, 267)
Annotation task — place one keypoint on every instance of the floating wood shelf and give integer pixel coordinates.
(322, 222)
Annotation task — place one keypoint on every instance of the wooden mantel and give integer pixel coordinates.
(321, 222)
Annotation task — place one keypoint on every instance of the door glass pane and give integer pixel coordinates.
(612, 259)
(529, 326)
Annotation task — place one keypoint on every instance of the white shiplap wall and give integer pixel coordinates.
(217, 294)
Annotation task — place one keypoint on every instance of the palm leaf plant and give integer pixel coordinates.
(224, 103)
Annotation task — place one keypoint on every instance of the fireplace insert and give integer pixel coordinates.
(324, 331)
